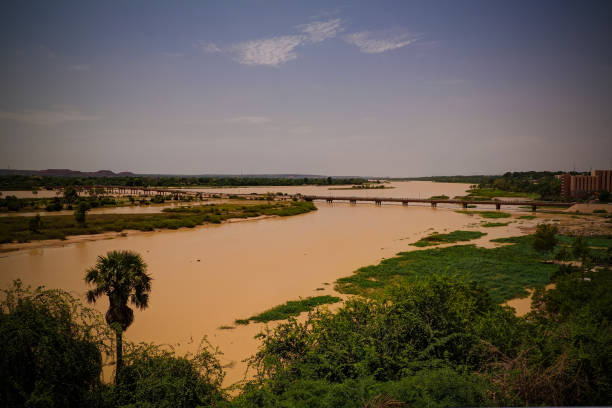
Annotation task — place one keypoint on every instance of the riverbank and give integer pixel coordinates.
(20, 229)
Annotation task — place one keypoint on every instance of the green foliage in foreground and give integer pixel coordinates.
(527, 217)
(504, 271)
(442, 342)
(494, 224)
(485, 214)
(60, 226)
(51, 348)
(455, 236)
(290, 308)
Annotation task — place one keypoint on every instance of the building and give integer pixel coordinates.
(573, 185)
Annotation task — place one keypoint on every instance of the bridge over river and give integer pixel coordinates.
(434, 202)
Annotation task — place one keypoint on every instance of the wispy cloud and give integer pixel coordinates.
(274, 51)
(270, 51)
(374, 42)
(321, 30)
(209, 47)
(252, 120)
(46, 117)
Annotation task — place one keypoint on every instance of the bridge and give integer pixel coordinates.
(434, 202)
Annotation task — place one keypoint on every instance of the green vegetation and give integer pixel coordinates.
(122, 276)
(290, 308)
(485, 214)
(534, 184)
(17, 228)
(600, 211)
(527, 217)
(16, 182)
(490, 193)
(545, 237)
(504, 271)
(455, 236)
(439, 197)
(494, 224)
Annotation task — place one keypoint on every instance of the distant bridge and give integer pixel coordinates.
(434, 202)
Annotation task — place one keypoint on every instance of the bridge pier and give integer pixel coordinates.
(377, 202)
(330, 200)
(533, 207)
(353, 201)
(464, 205)
(405, 203)
(497, 206)
(434, 204)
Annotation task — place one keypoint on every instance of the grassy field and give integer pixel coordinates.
(485, 214)
(60, 226)
(290, 308)
(504, 271)
(489, 193)
(455, 236)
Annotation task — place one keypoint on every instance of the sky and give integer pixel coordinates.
(378, 88)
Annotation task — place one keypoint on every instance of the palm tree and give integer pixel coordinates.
(122, 276)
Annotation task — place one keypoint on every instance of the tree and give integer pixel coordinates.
(545, 238)
(70, 194)
(80, 213)
(51, 348)
(35, 223)
(604, 196)
(122, 276)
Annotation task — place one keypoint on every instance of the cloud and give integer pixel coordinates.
(321, 30)
(49, 118)
(277, 50)
(209, 47)
(374, 42)
(252, 120)
(270, 51)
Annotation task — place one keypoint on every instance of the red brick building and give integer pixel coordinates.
(598, 180)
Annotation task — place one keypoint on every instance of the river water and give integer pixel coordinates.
(208, 276)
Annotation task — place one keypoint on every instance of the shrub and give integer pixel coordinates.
(545, 238)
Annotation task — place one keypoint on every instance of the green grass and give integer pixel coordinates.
(60, 226)
(485, 214)
(527, 217)
(504, 271)
(455, 236)
(439, 197)
(601, 211)
(489, 193)
(290, 308)
(494, 224)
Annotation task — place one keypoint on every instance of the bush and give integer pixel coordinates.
(50, 346)
(545, 237)
(157, 377)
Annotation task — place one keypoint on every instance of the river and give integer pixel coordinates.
(208, 276)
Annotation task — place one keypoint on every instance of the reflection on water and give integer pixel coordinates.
(208, 276)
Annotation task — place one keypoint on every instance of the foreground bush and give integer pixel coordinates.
(51, 348)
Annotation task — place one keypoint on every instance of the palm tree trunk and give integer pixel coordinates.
(119, 354)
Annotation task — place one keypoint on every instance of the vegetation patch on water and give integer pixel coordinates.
(485, 214)
(494, 224)
(439, 197)
(451, 237)
(527, 217)
(289, 309)
(24, 229)
(504, 271)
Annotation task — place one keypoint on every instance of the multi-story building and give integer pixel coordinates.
(572, 185)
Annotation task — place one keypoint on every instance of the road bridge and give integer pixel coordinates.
(434, 202)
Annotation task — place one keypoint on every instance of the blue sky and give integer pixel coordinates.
(342, 88)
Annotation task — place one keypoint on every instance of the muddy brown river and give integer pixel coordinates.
(208, 276)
